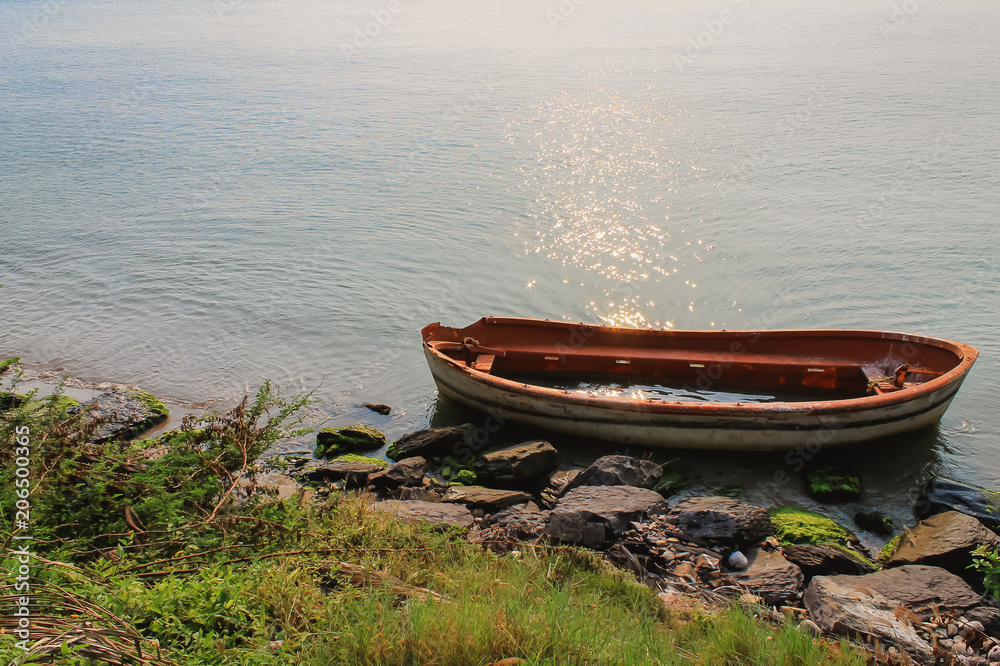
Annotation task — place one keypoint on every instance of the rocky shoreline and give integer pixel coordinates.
(918, 601)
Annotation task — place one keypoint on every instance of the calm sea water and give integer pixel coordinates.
(197, 195)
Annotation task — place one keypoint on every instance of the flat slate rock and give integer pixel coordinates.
(770, 576)
(593, 515)
(434, 443)
(917, 587)
(487, 499)
(523, 465)
(432, 512)
(619, 471)
(940, 495)
(407, 472)
(123, 414)
(721, 520)
(842, 608)
(821, 560)
(945, 540)
(354, 474)
(517, 522)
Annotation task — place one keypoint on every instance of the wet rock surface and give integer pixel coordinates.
(407, 472)
(523, 465)
(619, 471)
(331, 442)
(940, 495)
(123, 414)
(433, 443)
(944, 540)
(353, 474)
(721, 520)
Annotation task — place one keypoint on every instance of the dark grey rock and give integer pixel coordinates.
(824, 560)
(721, 520)
(407, 472)
(940, 495)
(434, 443)
(771, 577)
(619, 471)
(520, 466)
(123, 414)
(945, 540)
(487, 499)
(517, 522)
(432, 512)
(592, 515)
(354, 474)
(874, 522)
(838, 607)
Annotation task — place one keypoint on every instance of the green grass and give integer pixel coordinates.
(207, 580)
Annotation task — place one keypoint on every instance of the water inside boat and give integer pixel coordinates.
(652, 388)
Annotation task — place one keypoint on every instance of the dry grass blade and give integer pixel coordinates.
(359, 576)
(60, 617)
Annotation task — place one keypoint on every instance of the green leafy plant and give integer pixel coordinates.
(986, 560)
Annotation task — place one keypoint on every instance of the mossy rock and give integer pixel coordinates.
(158, 411)
(354, 457)
(850, 552)
(8, 362)
(671, 483)
(9, 401)
(793, 525)
(59, 402)
(332, 442)
(727, 491)
(833, 485)
(889, 549)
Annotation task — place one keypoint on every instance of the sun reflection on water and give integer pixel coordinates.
(602, 173)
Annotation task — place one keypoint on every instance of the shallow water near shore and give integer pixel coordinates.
(198, 196)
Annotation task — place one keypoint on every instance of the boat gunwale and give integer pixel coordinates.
(966, 356)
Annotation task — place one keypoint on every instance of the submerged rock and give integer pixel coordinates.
(945, 540)
(940, 495)
(523, 465)
(124, 414)
(619, 471)
(332, 442)
(593, 515)
(378, 408)
(434, 443)
(874, 521)
(721, 520)
(833, 485)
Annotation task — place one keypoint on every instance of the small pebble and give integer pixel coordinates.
(738, 561)
(994, 655)
(704, 561)
(961, 648)
(951, 630)
(947, 643)
(972, 628)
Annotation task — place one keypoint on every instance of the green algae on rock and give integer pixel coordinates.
(353, 457)
(671, 483)
(793, 525)
(347, 439)
(831, 484)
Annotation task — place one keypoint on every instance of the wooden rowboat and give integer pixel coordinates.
(730, 390)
